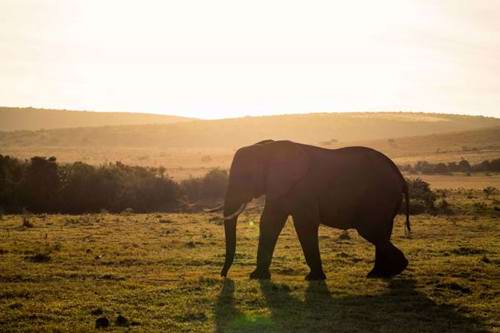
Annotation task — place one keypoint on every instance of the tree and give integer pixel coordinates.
(490, 190)
(41, 184)
(11, 175)
(464, 166)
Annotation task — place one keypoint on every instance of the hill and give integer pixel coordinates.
(475, 145)
(232, 133)
(12, 119)
(192, 148)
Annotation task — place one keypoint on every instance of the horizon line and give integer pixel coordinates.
(247, 116)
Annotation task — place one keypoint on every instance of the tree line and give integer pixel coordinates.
(41, 185)
(427, 168)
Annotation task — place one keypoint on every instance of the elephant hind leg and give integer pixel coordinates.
(389, 261)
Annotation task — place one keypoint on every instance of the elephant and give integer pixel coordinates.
(351, 187)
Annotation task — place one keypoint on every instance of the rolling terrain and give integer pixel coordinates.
(12, 119)
(192, 148)
(312, 128)
(181, 162)
(473, 145)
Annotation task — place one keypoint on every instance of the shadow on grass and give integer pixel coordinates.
(400, 309)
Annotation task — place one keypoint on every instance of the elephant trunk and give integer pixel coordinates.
(231, 212)
(230, 230)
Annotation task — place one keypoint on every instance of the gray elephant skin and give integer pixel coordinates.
(352, 187)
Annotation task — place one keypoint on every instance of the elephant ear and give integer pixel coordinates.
(288, 164)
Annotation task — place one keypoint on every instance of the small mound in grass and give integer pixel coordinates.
(102, 322)
(38, 257)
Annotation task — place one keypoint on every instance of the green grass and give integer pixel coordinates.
(160, 271)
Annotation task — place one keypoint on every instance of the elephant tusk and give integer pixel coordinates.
(214, 209)
(236, 213)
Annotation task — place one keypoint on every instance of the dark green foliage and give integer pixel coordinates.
(11, 175)
(416, 207)
(40, 185)
(489, 190)
(116, 187)
(428, 168)
(421, 196)
(208, 188)
(443, 207)
(29, 185)
(464, 166)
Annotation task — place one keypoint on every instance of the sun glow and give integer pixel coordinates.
(213, 59)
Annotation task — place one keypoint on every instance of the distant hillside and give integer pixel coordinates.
(474, 145)
(36, 119)
(134, 147)
(230, 133)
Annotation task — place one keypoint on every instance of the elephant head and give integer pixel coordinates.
(269, 168)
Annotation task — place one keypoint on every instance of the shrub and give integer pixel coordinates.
(26, 222)
(443, 207)
(421, 196)
(11, 175)
(41, 185)
(210, 187)
(479, 207)
(489, 191)
(127, 211)
(417, 207)
(464, 166)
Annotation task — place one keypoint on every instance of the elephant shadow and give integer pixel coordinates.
(401, 308)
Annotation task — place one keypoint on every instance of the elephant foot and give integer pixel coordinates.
(389, 263)
(314, 276)
(260, 275)
(376, 273)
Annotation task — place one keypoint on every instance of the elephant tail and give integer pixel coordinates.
(407, 201)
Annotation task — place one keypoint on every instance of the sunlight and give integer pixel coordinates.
(226, 59)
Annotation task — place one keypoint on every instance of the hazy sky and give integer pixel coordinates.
(214, 59)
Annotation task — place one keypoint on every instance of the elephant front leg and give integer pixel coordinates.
(271, 224)
(307, 232)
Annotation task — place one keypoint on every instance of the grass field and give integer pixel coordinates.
(475, 181)
(160, 272)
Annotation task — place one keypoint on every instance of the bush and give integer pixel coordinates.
(11, 176)
(211, 187)
(417, 207)
(489, 191)
(464, 166)
(41, 185)
(421, 196)
(443, 207)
